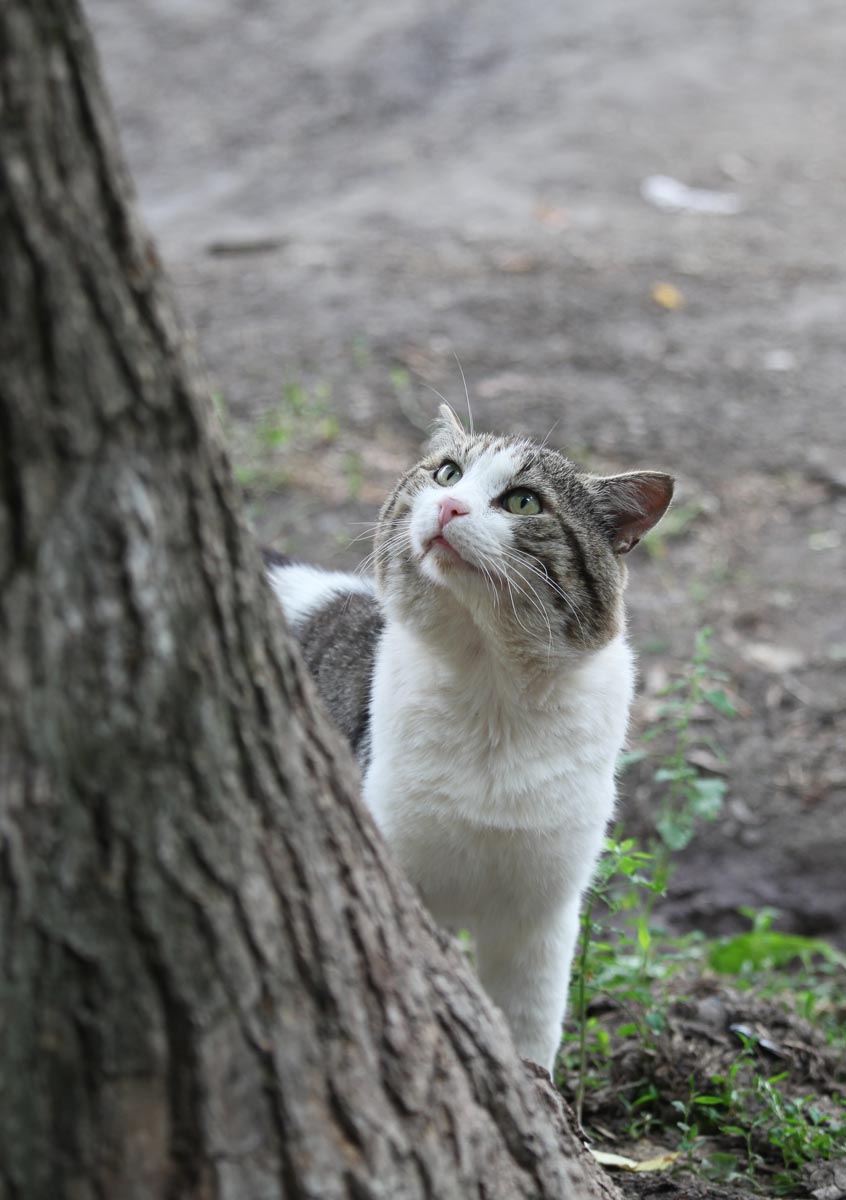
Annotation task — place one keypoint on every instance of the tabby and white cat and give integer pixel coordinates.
(484, 680)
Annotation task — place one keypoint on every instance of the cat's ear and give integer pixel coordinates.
(446, 429)
(632, 504)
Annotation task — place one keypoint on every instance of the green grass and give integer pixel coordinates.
(746, 1121)
(266, 448)
(774, 1134)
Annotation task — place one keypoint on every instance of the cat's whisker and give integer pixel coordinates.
(521, 559)
(466, 394)
(545, 579)
(533, 599)
(552, 429)
(489, 578)
(366, 532)
(360, 537)
(398, 541)
(545, 442)
(537, 603)
(485, 573)
(568, 600)
(510, 584)
(440, 396)
(513, 606)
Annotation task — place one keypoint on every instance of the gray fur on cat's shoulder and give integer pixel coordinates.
(339, 643)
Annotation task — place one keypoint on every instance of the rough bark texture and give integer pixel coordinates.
(213, 982)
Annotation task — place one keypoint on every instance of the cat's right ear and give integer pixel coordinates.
(632, 504)
(445, 430)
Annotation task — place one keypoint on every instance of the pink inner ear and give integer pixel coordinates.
(636, 502)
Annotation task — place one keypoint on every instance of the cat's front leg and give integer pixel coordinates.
(525, 969)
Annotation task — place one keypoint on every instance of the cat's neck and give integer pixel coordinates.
(469, 656)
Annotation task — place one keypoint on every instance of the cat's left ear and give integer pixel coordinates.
(445, 429)
(632, 504)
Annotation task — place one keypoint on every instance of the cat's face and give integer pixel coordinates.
(516, 535)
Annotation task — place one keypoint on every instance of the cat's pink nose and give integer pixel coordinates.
(448, 508)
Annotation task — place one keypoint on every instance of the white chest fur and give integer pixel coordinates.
(494, 792)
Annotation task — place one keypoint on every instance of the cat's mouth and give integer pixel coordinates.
(446, 552)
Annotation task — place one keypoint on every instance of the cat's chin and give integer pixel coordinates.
(446, 568)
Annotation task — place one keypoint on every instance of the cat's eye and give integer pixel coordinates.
(522, 502)
(447, 473)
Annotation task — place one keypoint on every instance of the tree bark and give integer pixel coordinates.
(213, 981)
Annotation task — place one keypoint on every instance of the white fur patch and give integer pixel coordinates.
(484, 531)
(494, 791)
(303, 590)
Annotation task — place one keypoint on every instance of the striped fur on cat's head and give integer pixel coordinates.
(515, 534)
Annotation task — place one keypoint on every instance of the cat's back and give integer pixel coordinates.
(338, 623)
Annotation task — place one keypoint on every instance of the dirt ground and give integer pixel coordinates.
(698, 1053)
(347, 199)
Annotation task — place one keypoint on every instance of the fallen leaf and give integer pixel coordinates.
(667, 295)
(517, 264)
(619, 1161)
(708, 761)
(552, 217)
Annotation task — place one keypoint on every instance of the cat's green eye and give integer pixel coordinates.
(447, 473)
(522, 502)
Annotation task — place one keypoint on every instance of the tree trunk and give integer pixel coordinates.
(213, 981)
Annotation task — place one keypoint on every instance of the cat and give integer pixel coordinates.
(483, 679)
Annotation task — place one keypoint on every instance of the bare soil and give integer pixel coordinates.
(348, 197)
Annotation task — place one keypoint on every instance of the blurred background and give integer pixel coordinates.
(628, 223)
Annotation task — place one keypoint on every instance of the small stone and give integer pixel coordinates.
(770, 657)
(780, 360)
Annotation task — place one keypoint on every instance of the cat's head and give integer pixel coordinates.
(516, 535)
